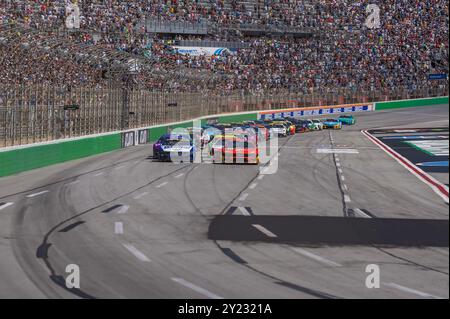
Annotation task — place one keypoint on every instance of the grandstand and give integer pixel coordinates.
(313, 51)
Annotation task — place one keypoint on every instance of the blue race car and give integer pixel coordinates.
(174, 148)
(332, 123)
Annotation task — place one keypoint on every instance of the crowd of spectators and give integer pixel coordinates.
(411, 42)
(118, 15)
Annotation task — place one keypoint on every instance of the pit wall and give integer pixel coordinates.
(410, 103)
(24, 158)
(14, 160)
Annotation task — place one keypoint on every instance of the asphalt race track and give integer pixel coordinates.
(138, 228)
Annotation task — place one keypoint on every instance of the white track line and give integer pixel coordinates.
(411, 291)
(120, 167)
(360, 212)
(338, 164)
(37, 194)
(264, 230)
(198, 289)
(439, 188)
(347, 199)
(73, 183)
(243, 197)
(342, 178)
(337, 151)
(139, 255)
(6, 205)
(118, 228)
(345, 187)
(162, 184)
(179, 175)
(316, 257)
(244, 211)
(253, 186)
(140, 195)
(123, 209)
(340, 170)
(260, 177)
(99, 174)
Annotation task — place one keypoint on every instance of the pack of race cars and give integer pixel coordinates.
(236, 142)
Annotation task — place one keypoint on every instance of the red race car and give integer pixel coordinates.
(235, 150)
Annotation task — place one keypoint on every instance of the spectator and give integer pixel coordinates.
(411, 42)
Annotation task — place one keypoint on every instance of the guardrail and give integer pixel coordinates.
(18, 159)
(410, 103)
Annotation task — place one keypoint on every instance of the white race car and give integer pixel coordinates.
(278, 130)
(318, 124)
(314, 125)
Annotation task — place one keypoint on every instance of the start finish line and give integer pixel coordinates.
(337, 151)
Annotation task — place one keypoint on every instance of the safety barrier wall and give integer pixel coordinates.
(410, 103)
(14, 160)
(20, 159)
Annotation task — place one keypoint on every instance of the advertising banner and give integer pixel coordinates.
(197, 51)
(128, 139)
(316, 111)
(438, 76)
(143, 136)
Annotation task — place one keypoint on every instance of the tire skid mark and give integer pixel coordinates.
(42, 250)
(67, 178)
(239, 260)
(229, 209)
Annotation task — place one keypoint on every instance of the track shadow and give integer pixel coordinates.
(331, 230)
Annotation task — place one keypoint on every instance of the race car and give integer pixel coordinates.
(313, 126)
(256, 132)
(347, 119)
(174, 148)
(262, 132)
(300, 125)
(222, 126)
(305, 125)
(290, 127)
(332, 123)
(279, 129)
(222, 137)
(319, 124)
(233, 150)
